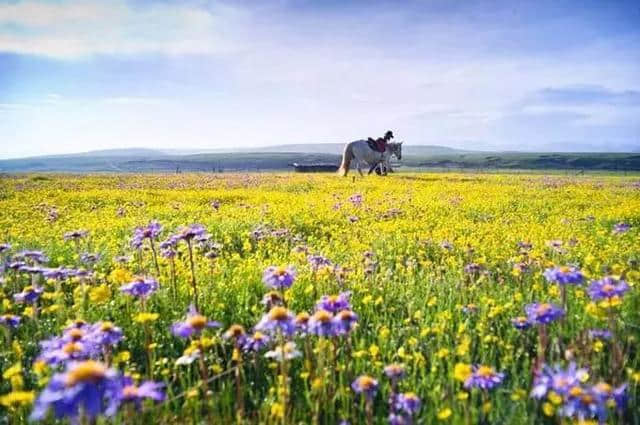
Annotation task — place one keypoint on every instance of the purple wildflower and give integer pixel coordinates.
(525, 246)
(58, 351)
(321, 323)
(79, 341)
(607, 288)
(4, 247)
(105, 334)
(473, 268)
(279, 278)
(193, 325)
(141, 287)
(600, 334)
(446, 245)
(122, 259)
(334, 303)
(151, 231)
(10, 320)
(366, 385)
(236, 333)
(302, 322)
(35, 256)
(345, 321)
(90, 258)
(398, 419)
(24, 268)
(277, 319)
(58, 273)
(521, 322)
(394, 371)
(543, 313)
(16, 265)
(190, 232)
(356, 199)
(564, 275)
(318, 261)
(75, 235)
(89, 387)
(131, 393)
(255, 342)
(621, 227)
(558, 380)
(593, 402)
(483, 377)
(408, 402)
(29, 295)
(271, 299)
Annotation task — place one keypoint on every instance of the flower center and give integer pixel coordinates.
(236, 330)
(543, 308)
(130, 391)
(197, 321)
(322, 316)
(72, 347)
(76, 334)
(279, 313)
(608, 288)
(106, 327)
(345, 315)
(366, 383)
(484, 371)
(89, 371)
(410, 397)
(575, 391)
(302, 318)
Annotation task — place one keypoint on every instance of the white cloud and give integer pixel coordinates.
(77, 28)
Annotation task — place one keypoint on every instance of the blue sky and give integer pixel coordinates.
(77, 75)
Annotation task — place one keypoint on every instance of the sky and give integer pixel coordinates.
(80, 75)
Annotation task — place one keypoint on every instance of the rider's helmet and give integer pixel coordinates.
(388, 135)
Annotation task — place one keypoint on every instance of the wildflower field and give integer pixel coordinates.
(314, 299)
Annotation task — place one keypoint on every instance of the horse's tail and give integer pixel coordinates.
(347, 156)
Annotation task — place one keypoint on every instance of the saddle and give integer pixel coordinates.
(379, 145)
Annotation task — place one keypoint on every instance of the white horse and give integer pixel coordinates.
(360, 151)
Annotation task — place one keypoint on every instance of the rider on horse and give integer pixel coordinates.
(380, 145)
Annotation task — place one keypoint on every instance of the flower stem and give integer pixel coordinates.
(193, 275)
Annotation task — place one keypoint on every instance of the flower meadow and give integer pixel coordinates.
(313, 299)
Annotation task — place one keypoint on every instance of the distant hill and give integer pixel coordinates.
(115, 153)
(282, 156)
(337, 148)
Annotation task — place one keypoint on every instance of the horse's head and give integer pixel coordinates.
(396, 149)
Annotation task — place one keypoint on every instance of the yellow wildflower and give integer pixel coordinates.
(462, 371)
(17, 398)
(146, 317)
(444, 414)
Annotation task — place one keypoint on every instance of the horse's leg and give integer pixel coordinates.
(373, 167)
(359, 168)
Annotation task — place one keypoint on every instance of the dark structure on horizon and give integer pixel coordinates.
(315, 168)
